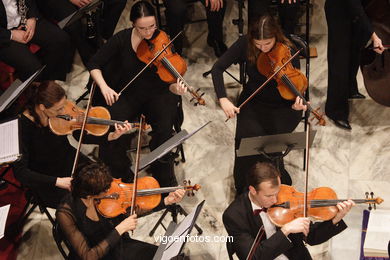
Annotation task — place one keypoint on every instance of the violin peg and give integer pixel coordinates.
(369, 207)
(185, 182)
(372, 194)
(197, 90)
(366, 195)
(201, 95)
(192, 99)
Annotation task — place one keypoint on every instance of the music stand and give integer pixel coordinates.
(14, 91)
(281, 143)
(179, 234)
(274, 143)
(156, 154)
(78, 14)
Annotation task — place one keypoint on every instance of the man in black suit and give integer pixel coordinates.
(55, 47)
(246, 214)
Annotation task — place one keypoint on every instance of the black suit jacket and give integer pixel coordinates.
(243, 226)
(5, 34)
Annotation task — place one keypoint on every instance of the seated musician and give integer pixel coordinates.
(112, 67)
(245, 215)
(47, 159)
(268, 113)
(92, 236)
(22, 24)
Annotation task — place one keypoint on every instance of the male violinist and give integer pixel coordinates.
(247, 213)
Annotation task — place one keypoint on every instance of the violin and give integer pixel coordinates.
(170, 65)
(321, 204)
(119, 196)
(290, 81)
(98, 120)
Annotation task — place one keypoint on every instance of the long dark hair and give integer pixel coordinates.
(265, 27)
(47, 93)
(141, 9)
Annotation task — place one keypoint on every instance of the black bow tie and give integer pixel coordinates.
(257, 212)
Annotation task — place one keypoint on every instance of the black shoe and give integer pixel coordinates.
(344, 124)
(357, 95)
(218, 46)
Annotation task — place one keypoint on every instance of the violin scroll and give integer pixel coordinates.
(187, 186)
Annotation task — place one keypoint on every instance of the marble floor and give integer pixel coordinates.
(350, 162)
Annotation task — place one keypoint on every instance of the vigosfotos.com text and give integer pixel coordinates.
(191, 238)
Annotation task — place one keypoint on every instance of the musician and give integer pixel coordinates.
(15, 38)
(113, 66)
(246, 214)
(349, 30)
(266, 114)
(92, 236)
(176, 13)
(57, 10)
(47, 159)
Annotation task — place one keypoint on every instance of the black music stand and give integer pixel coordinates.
(79, 14)
(172, 249)
(156, 154)
(6, 100)
(281, 143)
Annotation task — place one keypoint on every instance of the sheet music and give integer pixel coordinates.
(378, 233)
(9, 139)
(3, 218)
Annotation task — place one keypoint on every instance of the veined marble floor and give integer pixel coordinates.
(350, 162)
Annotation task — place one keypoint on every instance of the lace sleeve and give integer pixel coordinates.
(79, 244)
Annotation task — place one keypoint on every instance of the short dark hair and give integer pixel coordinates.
(141, 9)
(261, 172)
(91, 180)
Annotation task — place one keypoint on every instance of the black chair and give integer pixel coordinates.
(61, 242)
(34, 200)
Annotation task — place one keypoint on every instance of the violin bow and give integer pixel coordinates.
(150, 62)
(77, 156)
(256, 243)
(268, 80)
(136, 168)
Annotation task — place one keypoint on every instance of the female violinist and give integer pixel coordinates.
(267, 113)
(92, 236)
(114, 65)
(47, 159)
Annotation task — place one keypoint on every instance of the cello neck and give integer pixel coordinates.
(148, 192)
(101, 121)
(176, 74)
(327, 203)
(291, 86)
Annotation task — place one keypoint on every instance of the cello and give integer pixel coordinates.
(376, 67)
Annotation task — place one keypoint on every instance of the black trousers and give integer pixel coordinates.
(257, 119)
(161, 112)
(344, 44)
(176, 14)
(288, 13)
(56, 53)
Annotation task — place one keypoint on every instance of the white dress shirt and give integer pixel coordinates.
(269, 227)
(13, 16)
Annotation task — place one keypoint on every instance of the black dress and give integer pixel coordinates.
(46, 156)
(148, 95)
(266, 114)
(97, 239)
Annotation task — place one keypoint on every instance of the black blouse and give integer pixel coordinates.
(119, 64)
(238, 53)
